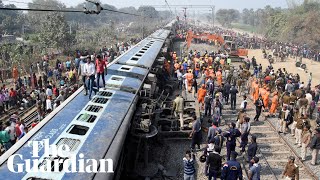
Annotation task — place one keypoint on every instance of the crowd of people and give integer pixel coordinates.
(216, 83)
(255, 42)
(48, 86)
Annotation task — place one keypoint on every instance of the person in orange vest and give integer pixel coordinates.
(201, 94)
(256, 91)
(274, 104)
(189, 78)
(211, 72)
(15, 74)
(266, 99)
(219, 77)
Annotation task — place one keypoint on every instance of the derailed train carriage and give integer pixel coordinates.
(96, 129)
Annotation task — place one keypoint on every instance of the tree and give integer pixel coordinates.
(227, 16)
(54, 31)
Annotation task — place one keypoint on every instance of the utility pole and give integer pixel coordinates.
(185, 14)
(212, 10)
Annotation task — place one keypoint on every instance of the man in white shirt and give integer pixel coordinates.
(83, 75)
(49, 92)
(89, 70)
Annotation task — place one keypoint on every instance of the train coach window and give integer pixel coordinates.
(117, 78)
(142, 52)
(52, 160)
(87, 118)
(104, 93)
(71, 143)
(151, 41)
(144, 49)
(35, 178)
(139, 55)
(78, 130)
(125, 68)
(134, 59)
(99, 100)
(93, 108)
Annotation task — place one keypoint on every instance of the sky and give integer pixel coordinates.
(219, 4)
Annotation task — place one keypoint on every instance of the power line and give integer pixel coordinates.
(42, 10)
(29, 3)
(168, 6)
(62, 10)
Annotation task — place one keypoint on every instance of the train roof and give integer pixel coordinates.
(128, 71)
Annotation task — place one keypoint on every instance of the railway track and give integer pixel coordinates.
(20, 113)
(273, 149)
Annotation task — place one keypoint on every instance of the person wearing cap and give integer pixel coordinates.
(231, 136)
(201, 94)
(303, 104)
(301, 122)
(232, 170)
(255, 169)
(189, 79)
(291, 170)
(295, 120)
(315, 146)
(178, 107)
(213, 164)
(305, 139)
(284, 119)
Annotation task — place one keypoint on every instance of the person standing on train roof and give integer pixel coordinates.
(101, 67)
(89, 71)
(82, 74)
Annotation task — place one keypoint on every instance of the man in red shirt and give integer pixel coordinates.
(101, 65)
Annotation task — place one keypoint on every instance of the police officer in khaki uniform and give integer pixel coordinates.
(303, 103)
(291, 171)
(301, 122)
(286, 99)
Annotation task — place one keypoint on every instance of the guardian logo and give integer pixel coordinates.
(58, 159)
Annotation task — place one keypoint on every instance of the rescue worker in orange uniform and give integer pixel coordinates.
(256, 91)
(219, 77)
(266, 99)
(274, 104)
(201, 94)
(189, 78)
